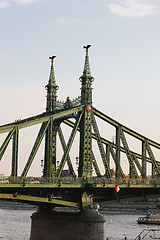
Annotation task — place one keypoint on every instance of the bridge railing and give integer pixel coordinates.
(93, 182)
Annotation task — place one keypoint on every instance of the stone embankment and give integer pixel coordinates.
(139, 207)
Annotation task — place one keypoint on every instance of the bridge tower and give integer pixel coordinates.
(51, 88)
(50, 138)
(85, 153)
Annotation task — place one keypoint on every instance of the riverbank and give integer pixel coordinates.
(130, 207)
(16, 205)
(134, 207)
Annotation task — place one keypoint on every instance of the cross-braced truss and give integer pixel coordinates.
(94, 172)
(107, 149)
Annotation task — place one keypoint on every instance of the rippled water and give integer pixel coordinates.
(15, 224)
(119, 225)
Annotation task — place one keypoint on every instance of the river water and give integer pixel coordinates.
(15, 223)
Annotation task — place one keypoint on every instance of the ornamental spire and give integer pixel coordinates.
(52, 81)
(86, 65)
(86, 79)
(51, 88)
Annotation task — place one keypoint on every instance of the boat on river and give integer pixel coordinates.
(149, 234)
(150, 219)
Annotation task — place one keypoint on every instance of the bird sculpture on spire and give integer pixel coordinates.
(86, 47)
(52, 58)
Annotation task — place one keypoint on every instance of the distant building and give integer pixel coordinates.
(65, 173)
(113, 173)
(1, 175)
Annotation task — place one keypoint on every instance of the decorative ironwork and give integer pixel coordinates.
(139, 185)
(75, 102)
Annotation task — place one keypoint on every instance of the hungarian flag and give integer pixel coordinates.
(88, 108)
(117, 189)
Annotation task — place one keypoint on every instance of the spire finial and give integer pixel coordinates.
(52, 76)
(86, 47)
(86, 65)
(52, 58)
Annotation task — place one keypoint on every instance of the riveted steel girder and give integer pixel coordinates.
(105, 141)
(85, 151)
(118, 152)
(95, 165)
(60, 133)
(50, 150)
(101, 148)
(35, 148)
(15, 154)
(124, 128)
(108, 154)
(53, 146)
(137, 163)
(150, 153)
(6, 142)
(122, 175)
(133, 171)
(144, 159)
(70, 141)
(44, 117)
(38, 200)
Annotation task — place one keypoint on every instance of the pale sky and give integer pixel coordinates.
(124, 58)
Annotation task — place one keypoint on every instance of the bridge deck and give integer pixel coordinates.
(79, 194)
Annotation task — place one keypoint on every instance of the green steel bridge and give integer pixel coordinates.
(92, 184)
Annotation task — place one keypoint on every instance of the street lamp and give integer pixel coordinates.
(77, 160)
(57, 163)
(113, 139)
(42, 163)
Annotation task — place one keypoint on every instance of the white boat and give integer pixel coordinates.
(149, 234)
(149, 219)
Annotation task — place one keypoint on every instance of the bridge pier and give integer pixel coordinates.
(48, 224)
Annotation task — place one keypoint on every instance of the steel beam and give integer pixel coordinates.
(50, 150)
(39, 200)
(155, 165)
(70, 141)
(105, 141)
(124, 128)
(47, 154)
(144, 159)
(44, 117)
(153, 171)
(101, 148)
(118, 152)
(55, 126)
(61, 137)
(6, 142)
(95, 165)
(108, 154)
(15, 154)
(129, 155)
(35, 148)
(85, 150)
(137, 163)
(122, 175)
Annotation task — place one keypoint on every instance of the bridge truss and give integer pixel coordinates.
(82, 117)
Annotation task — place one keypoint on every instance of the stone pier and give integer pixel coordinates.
(48, 224)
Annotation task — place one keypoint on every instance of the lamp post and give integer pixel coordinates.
(113, 139)
(57, 164)
(42, 163)
(77, 161)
